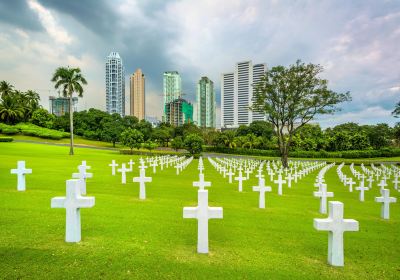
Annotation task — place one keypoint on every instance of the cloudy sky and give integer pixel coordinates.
(357, 42)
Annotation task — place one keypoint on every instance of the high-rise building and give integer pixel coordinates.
(59, 106)
(138, 94)
(115, 84)
(206, 113)
(237, 94)
(178, 112)
(172, 88)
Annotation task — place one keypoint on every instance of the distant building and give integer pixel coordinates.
(172, 88)
(115, 84)
(153, 120)
(137, 89)
(206, 113)
(237, 94)
(59, 106)
(178, 112)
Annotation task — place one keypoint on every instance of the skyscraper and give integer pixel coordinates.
(115, 84)
(172, 88)
(138, 94)
(237, 94)
(206, 103)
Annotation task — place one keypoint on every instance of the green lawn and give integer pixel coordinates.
(123, 237)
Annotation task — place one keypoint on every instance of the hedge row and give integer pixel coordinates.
(32, 130)
(385, 152)
(6, 139)
(147, 153)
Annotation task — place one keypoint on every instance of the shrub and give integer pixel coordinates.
(34, 130)
(193, 144)
(10, 131)
(6, 139)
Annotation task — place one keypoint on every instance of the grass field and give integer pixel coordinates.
(123, 237)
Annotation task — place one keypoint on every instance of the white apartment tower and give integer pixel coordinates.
(237, 94)
(115, 84)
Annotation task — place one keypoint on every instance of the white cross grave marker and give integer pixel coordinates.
(72, 204)
(336, 226)
(240, 179)
(323, 194)
(21, 171)
(113, 164)
(123, 171)
(230, 174)
(201, 184)
(350, 182)
(385, 199)
(362, 189)
(202, 213)
(262, 189)
(142, 179)
(279, 182)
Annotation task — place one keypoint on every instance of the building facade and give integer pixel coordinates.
(115, 84)
(237, 94)
(137, 96)
(178, 112)
(172, 89)
(59, 106)
(205, 98)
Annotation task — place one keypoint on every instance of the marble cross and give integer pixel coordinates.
(289, 179)
(261, 188)
(21, 171)
(201, 184)
(82, 174)
(123, 171)
(396, 182)
(240, 179)
(230, 174)
(350, 182)
(385, 199)
(248, 171)
(336, 226)
(113, 164)
(370, 180)
(279, 182)
(323, 194)
(72, 202)
(362, 189)
(154, 165)
(131, 163)
(142, 179)
(202, 213)
(382, 184)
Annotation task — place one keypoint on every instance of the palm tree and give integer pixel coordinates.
(5, 88)
(11, 110)
(396, 112)
(30, 101)
(70, 80)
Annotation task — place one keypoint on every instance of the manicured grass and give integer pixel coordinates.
(123, 237)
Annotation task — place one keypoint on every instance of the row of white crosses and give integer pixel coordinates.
(385, 197)
(74, 201)
(202, 212)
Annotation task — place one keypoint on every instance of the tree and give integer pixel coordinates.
(149, 145)
(70, 80)
(132, 138)
(291, 97)
(43, 118)
(194, 144)
(396, 111)
(112, 128)
(30, 101)
(5, 88)
(177, 143)
(11, 111)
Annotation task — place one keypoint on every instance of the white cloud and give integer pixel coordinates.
(51, 25)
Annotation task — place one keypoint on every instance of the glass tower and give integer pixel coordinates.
(206, 113)
(172, 88)
(115, 84)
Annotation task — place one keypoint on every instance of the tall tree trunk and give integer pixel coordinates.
(71, 126)
(284, 158)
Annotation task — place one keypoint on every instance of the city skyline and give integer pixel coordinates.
(356, 42)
